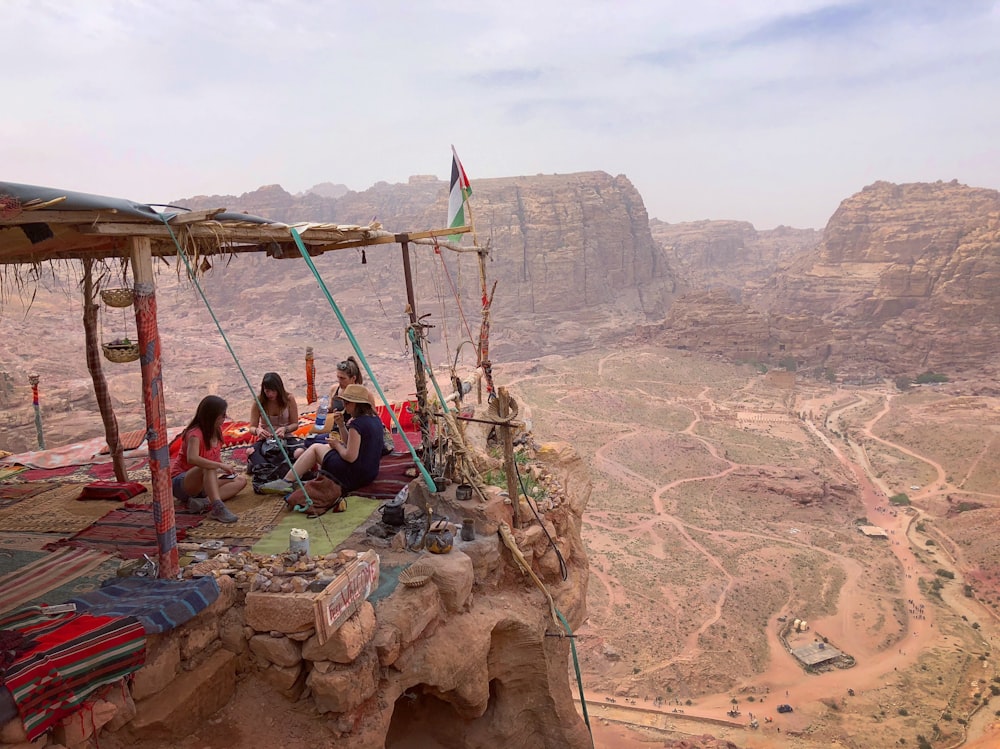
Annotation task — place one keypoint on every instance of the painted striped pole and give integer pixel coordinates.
(33, 379)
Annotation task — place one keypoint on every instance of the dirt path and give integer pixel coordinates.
(783, 677)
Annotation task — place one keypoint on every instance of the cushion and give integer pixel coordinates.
(117, 491)
(237, 433)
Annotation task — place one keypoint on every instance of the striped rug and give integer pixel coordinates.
(45, 574)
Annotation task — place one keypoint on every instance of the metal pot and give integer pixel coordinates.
(463, 492)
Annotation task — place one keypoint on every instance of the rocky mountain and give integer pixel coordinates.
(572, 255)
(905, 280)
(729, 254)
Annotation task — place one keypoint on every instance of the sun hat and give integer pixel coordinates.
(355, 394)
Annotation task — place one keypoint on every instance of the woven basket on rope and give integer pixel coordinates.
(117, 297)
(120, 353)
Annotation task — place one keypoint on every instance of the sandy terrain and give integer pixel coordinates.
(722, 503)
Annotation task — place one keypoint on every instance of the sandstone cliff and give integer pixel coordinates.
(729, 254)
(900, 271)
(572, 254)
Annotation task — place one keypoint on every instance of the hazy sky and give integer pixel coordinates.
(767, 111)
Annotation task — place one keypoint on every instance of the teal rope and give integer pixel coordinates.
(357, 349)
(263, 412)
(427, 369)
(579, 677)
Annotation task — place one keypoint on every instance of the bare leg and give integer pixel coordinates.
(229, 488)
(211, 479)
(307, 461)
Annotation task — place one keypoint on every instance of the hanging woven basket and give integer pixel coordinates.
(117, 297)
(120, 353)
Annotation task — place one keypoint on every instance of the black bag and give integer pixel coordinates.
(268, 462)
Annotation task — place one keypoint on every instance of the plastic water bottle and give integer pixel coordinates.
(321, 409)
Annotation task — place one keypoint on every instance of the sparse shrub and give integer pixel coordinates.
(903, 711)
(903, 383)
(941, 572)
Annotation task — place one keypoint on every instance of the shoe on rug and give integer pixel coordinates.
(221, 513)
(278, 486)
(197, 504)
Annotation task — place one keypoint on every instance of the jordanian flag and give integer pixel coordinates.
(460, 192)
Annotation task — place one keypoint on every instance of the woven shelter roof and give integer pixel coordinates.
(44, 223)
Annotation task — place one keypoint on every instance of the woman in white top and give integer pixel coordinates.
(280, 407)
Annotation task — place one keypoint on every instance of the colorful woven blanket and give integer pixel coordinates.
(71, 655)
(47, 572)
(128, 531)
(159, 605)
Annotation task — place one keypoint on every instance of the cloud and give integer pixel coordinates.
(771, 112)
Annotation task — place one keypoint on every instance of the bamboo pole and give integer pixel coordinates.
(152, 398)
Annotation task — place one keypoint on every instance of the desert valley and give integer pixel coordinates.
(784, 427)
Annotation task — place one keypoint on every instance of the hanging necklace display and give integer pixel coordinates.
(122, 349)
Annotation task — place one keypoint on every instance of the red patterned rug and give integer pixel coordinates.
(11, 494)
(44, 474)
(127, 531)
(107, 470)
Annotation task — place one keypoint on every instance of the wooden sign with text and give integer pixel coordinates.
(345, 594)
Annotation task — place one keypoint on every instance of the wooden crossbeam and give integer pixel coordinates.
(195, 216)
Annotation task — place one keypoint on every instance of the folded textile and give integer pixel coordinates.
(128, 440)
(73, 654)
(159, 605)
(118, 491)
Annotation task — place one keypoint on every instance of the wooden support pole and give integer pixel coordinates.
(156, 412)
(97, 373)
(503, 410)
(33, 379)
(419, 378)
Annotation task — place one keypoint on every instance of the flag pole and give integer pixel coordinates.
(483, 350)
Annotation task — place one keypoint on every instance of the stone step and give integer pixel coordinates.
(188, 700)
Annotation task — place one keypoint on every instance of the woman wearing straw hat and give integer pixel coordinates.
(351, 463)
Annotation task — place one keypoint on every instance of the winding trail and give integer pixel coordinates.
(876, 663)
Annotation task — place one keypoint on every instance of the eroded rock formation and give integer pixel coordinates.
(572, 254)
(900, 269)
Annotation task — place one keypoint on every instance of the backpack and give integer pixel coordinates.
(268, 463)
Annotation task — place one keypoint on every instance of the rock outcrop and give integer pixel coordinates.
(900, 269)
(729, 254)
